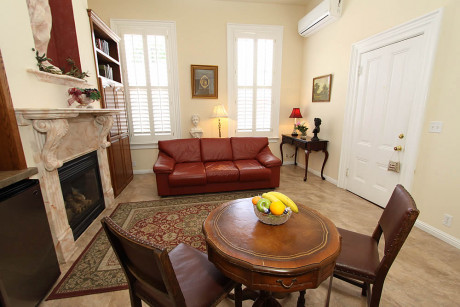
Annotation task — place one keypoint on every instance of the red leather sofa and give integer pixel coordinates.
(190, 166)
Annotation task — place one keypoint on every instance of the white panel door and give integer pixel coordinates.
(386, 87)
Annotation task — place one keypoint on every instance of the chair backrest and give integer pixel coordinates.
(396, 222)
(145, 263)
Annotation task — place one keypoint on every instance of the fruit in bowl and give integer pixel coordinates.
(273, 208)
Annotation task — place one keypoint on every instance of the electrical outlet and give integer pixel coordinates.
(134, 163)
(435, 127)
(447, 220)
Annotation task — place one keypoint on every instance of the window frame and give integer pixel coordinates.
(235, 31)
(152, 27)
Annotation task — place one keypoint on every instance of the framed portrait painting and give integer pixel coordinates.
(321, 91)
(204, 81)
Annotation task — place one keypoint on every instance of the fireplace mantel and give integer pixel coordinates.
(31, 113)
(62, 135)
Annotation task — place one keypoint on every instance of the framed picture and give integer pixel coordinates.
(204, 81)
(321, 89)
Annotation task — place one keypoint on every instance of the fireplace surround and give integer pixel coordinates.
(62, 135)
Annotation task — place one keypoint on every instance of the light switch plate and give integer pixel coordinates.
(435, 127)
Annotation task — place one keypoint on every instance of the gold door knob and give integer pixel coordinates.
(401, 136)
(397, 148)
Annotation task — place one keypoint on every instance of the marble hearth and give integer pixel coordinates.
(61, 135)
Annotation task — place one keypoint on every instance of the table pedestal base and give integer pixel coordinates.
(266, 299)
(260, 298)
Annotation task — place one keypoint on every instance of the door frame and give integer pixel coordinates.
(427, 26)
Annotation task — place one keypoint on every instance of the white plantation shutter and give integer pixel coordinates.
(159, 84)
(255, 85)
(150, 79)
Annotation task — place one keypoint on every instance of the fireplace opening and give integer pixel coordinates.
(82, 191)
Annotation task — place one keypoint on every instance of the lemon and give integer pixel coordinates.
(277, 207)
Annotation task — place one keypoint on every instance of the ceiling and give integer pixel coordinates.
(292, 2)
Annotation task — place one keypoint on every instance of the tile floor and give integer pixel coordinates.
(425, 273)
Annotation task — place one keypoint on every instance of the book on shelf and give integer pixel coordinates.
(103, 45)
(106, 71)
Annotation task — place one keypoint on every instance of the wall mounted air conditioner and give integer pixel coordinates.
(323, 14)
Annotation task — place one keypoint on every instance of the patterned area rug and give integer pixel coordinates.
(166, 222)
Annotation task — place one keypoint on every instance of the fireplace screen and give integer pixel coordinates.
(82, 191)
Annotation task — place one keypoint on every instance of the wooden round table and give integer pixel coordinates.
(294, 256)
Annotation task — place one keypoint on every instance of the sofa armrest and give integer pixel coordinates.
(164, 165)
(267, 159)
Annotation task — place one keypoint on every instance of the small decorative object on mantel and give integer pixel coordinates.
(316, 130)
(43, 64)
(303, 130)
(83, 96)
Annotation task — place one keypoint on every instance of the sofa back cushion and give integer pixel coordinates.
(182, 150)
(245, 148)
(216, 149)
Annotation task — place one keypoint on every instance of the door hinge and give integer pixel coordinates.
(346, 173)
(360, 70)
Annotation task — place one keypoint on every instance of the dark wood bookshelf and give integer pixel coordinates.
(113, 97)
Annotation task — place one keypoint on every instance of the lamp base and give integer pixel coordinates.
(294, 132)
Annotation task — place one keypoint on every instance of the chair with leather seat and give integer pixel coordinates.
(182, 277)
(358, 262)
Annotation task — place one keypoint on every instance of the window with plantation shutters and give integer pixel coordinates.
(150, 74)
(254, 63)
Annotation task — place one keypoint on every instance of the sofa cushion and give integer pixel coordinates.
(187, 174)
(221, 171)
(246, 148)
(182, 150)
(216, 149)
(251, 170)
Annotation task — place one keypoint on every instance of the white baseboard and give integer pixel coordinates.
(314, 172)
(142, 171)
(438, 234)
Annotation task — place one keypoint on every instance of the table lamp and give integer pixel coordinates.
(295, 114)
(219, 112)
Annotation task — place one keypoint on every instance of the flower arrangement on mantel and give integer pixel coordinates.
(84, 96)
(302, 128)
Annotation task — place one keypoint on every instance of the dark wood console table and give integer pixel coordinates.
(308, 145)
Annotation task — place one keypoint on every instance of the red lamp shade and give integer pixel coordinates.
(295, 113)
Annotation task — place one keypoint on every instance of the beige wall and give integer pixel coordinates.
(16, 43)
(201, 27)
(438, 168)
(201, 30)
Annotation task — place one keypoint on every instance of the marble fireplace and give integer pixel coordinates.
(60, 136)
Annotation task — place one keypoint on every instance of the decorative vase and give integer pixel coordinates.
(85, 102)
(82, 101)
(303, 135)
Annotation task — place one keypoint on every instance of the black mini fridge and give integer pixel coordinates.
(28, 262)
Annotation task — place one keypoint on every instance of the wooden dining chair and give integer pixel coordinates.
(182, 277)
(358, 262)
